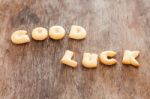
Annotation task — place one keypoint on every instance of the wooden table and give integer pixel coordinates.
(33, 70)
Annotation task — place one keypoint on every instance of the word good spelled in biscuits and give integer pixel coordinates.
(55, 32)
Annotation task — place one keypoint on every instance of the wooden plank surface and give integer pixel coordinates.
(33, 71)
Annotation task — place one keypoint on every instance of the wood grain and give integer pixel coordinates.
(33, 71)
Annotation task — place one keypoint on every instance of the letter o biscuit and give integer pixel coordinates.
(39, 33)
(57, 32)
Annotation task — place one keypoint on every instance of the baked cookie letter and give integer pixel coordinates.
(129, 57)
(20, 37)
(57, 32)
(39, 33)
(90, 60)
(77, 32)
(104, 57)
(67, 59)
